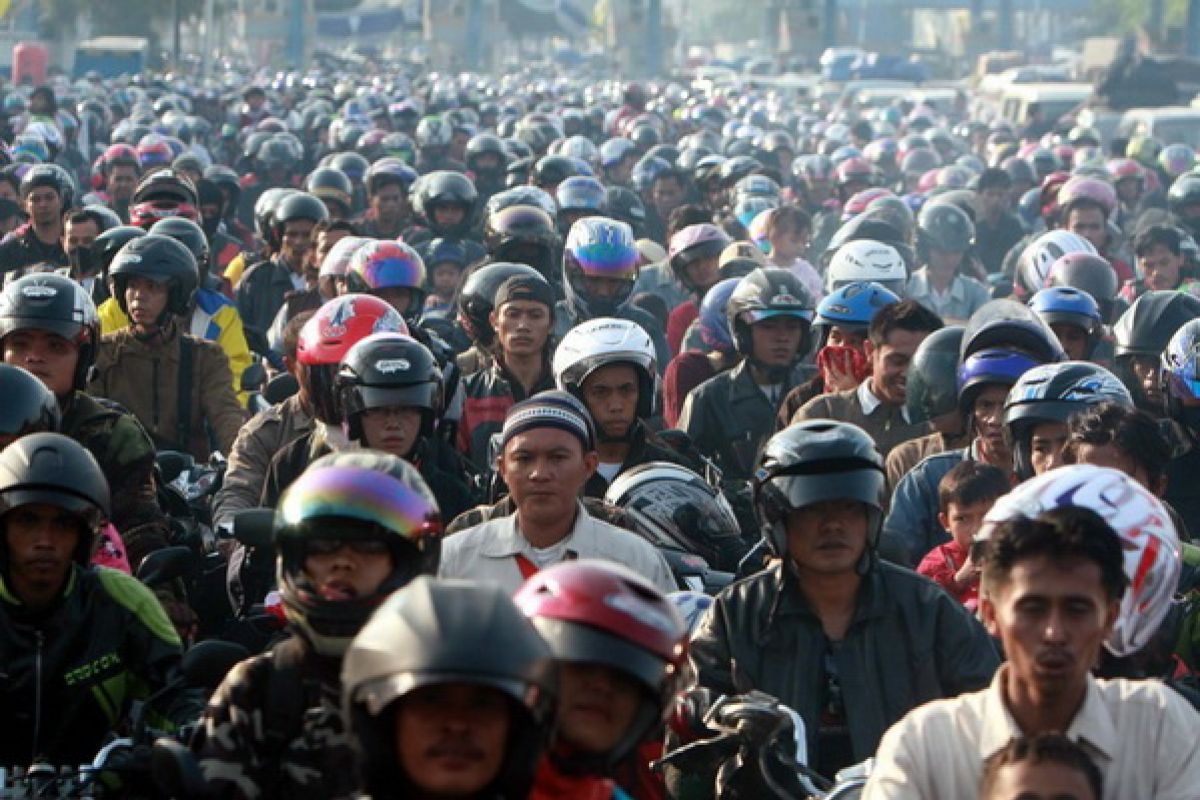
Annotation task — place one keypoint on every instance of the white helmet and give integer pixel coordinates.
(337, 261)
(1033, 267)
(867, 260)
(1148, 539)
(602, 341)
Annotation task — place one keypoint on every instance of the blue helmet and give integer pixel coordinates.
(852, 306)
(1067, 306)
(581, 193)
(1180, 375)
(993, 365)
(712, 321)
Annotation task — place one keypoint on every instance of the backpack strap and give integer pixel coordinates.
(285, 697)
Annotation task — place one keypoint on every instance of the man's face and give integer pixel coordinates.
(889, 364)
(611, 395)
(544, 469)
(448, 216)
(1074, 340)
(388, 203)
(146, 300)
(597, 706)
(326, 239)
(41, 542)
(993, 202)
(1051, 618)
(392, 429)
(1041, 780)
(297, 238)
(703, 273)
(1162, 268)
(1146, 372)
(451, 738)
(620, 172)
(1129, 190)
(827, 538)
(43, 206)
(603, 288)
(988, 416)
(1046, 446)
(667, 194)
(776, 340)
(79, 234)
(122, 180)
(1109, 455)
(944, 264)
(1090, 224)
(50, 357)
(345, 569)
(522, 327)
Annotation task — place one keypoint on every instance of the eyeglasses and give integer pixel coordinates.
(327, 547)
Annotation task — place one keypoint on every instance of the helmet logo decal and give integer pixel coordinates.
(645, 615)
(784, 298)
(389, 365)
(39, 291)
(337, 323)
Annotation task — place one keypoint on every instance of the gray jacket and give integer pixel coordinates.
(257, 442)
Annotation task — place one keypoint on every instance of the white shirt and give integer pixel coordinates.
(487, 552)
(1141, 734)
(869, 402)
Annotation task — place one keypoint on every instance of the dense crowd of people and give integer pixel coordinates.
(552, 432)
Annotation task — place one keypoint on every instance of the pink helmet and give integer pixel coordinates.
(1093, 189)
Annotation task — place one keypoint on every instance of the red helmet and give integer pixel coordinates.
(853, 169)
(599, 612)
(1090, 189)
(1120, 169)
(329, 334)
(119, 155)
(859, 202)
(1051, 185)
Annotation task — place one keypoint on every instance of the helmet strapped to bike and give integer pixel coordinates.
(1148, 539)
(814, 461)
(675, 508)
(161, 259)
(1052, 393)
(352, 496)
(433, 632)
(385, 264)
(597, 612)
(385, 370)
(601, 342)
(598, 247)
(54, 303)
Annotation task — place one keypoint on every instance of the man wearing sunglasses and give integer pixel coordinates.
(354, 527)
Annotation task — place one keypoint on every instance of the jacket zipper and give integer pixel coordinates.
(37, 695)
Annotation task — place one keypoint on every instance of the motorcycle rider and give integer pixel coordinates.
(48, 325)
(82, 644)
(389, 212)
(809, 628)
(351, 530)
(46, 191)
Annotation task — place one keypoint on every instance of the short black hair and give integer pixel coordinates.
(84, 215)
(1044, 747)
(1131, 430)
(1167, 236)
(907, 315)
(971, 482)
(291, 332)
(672, 174)
(994, 178)
(1062, 534)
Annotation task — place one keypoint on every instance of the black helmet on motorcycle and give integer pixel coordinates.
(433, 632)
(331, 185)
(549, 171)
(1052, 393)
(477, 298)
(106, 246)
(931, 390)
(54, 303)
(674, 508)
(1143, 332)
(50, 176)
(352, 165)
(1087, 273)
(29, 407)
(264, 213)
(946, 227)
(524, 235)
(358, 496)
(294, 207)
(389, 369)
(486, 144)
(625, 205)
(161, 259)
(191, 236)
(814, 461)
(767, 292)
(229, 183)
(1007, 324)
(52, 469)
(446, 188)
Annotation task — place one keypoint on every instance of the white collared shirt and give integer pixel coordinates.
(1141, 734)
(869, 402)
(487, 552)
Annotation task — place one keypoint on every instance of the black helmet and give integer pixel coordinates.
(166, 184)
(943, 226)
(674, 508)
(1087, 273)
(813, 461)
(483, 144)
(767, 292)
(446, 188)
(550, 171)
(55, 470)
(439, 631)
(353, 165)
(52, 176)
(389, 369)
(388, 171)
(931, 390)
(521, 196)
(29, 407)
(297, 206)
(277, 152)
(331, 186)
(1052, 393)
(734, 169)
(105, 216)
(525, 235)
(352, 495)
(1007, 324)
(191, 236)
(1185, 191)
(1144, 330)
(228, 181)
(625, 205)
(161, 259)
(477, 298)
(264, 213)
(55, 303)
(106, 246)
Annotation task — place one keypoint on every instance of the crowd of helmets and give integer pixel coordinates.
(1065, 267)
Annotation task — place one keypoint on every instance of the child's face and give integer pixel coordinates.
(963, 522)
(445, 279)
(787, 243)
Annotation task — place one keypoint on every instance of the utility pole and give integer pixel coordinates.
(652, 58)
(831, 23)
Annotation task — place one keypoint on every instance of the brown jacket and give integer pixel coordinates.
(885, 424)
(908, 454)
(143, 376)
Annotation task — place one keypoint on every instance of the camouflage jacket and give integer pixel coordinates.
(250, 745)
